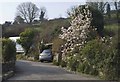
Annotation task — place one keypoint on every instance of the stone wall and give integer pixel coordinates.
(8, 70)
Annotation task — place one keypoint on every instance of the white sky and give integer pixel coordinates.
(54, 9)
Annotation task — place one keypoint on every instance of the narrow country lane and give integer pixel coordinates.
(27, 70)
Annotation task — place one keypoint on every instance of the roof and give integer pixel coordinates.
(14, 38)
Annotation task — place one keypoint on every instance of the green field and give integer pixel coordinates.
(111, 29)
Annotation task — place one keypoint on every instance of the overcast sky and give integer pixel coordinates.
(54, 9)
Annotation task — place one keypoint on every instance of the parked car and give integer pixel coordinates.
(46, 55)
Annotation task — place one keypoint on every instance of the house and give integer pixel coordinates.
(19, 48)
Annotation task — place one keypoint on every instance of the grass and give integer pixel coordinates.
(111, 29)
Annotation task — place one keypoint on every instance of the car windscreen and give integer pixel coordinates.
(46, 51)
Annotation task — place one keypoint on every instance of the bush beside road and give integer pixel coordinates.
(8, 58)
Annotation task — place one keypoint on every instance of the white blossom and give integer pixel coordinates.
(76, 34)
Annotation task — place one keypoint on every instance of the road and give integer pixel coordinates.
(28, 70)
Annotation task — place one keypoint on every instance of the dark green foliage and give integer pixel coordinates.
(72, 63)
(91, 56)
(97, 20)
(36, 57)
(55, 62)
(8, 50)
(27, 39)
(42, 13)
(63, 63)
(8, 57)
(100, 59)
(98, 5)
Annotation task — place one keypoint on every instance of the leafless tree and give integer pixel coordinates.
(98, 5)
(117, 7)
(71, 10)
(28, 11)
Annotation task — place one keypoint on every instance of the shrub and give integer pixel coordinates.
(27, 39)
(8, 50)
(8, 56)
(101, 59)
(72, 63)
(63, 63)
(55, 62)
(91, 56)
(20, 57)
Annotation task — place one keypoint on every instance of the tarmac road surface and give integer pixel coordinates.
(28, 70)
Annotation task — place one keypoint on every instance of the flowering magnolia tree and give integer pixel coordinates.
(80, 31)
(83, 52)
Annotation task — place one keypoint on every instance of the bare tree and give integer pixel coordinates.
(117, 7)
(71, 10)
(98, 5)
(93, 4)
(28, 11)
